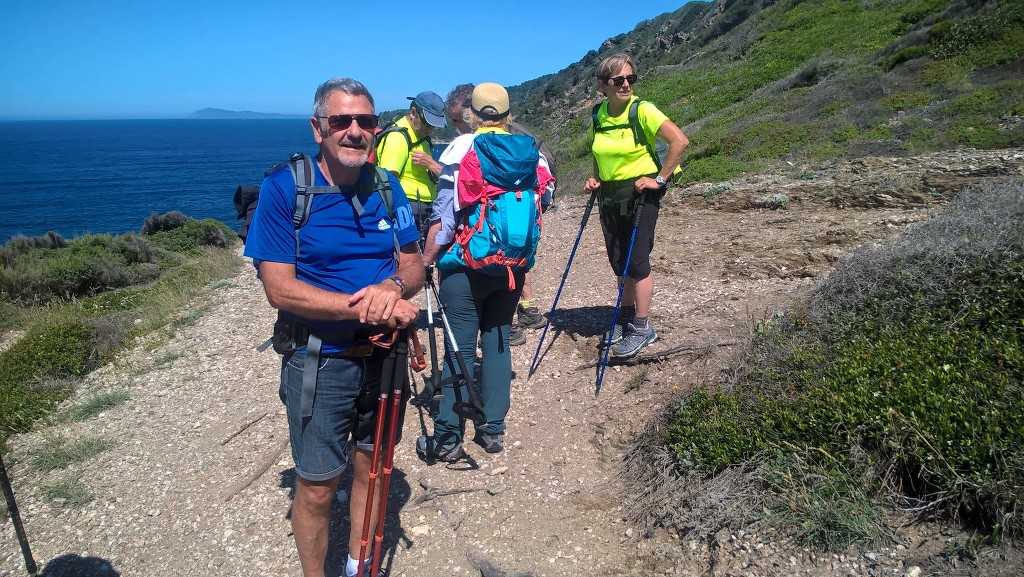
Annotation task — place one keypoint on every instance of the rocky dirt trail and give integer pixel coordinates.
(199, 479)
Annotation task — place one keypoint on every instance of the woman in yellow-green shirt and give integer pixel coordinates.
(628, 176)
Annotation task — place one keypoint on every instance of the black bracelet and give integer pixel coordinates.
(398, 281)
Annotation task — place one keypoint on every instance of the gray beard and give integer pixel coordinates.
(350, 164)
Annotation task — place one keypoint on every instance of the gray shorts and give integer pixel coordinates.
(344, 410)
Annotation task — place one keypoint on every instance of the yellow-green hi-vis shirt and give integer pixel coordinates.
(394, 155)
(616, 153)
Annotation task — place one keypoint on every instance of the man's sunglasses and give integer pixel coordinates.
(343, 121)
(618, 80)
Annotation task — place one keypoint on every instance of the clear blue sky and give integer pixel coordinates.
(143, 58)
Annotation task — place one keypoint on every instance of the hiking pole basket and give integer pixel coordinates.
(393, 380)
(622, 284)
(554, 303)
(19, 529)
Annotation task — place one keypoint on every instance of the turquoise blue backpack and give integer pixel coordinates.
(498, 214)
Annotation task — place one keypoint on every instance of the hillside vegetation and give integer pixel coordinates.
(898, 381)
(753, 82)
(69, 306)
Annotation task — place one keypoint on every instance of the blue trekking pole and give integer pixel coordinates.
(586, 217)
(618, 301)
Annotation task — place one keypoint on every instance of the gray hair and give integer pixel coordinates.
(340, 84)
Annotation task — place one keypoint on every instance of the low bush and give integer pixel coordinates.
(909, 357)
(83, 266)
(906, 100)
(193, 236)
(164, 222)
(712, 169)
(59, 349)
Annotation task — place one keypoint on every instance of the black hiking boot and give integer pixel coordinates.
(530, 317)
(430, 450)
(516, 335)
(491, 442)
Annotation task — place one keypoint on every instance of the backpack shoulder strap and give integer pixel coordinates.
(382, 185)
(639, 136)
(593, 117)
(634, 123)
(304, 173)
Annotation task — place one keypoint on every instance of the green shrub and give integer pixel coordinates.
(83, 266)
(844, 134)
(61, 349)
(164, 222)
(836, 107)
(775, 201)
(911, 354)
(906, 100)
(194, 236)
(712, 169)
(823, 501)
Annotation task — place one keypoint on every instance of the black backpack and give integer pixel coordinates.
(301, 165)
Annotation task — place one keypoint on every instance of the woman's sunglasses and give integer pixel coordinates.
(618, 80)
(343, 121)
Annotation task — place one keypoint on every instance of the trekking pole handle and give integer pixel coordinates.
(417, 360)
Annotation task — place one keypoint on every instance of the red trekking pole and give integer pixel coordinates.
(393, 374)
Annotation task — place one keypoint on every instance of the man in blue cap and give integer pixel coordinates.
(404, 149)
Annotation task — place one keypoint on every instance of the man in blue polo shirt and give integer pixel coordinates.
(334, 284)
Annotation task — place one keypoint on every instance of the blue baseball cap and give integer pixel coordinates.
(432, 107)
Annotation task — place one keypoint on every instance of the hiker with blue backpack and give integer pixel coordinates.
(457, 105)
(483, 236)
(339, 258)
(404, 149)
(631, 178)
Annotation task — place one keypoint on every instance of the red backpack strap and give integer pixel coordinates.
(470, 186)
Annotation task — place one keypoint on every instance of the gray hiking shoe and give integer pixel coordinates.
(491, 442)
(430, 450)
(616, 334)
(530, 317)
(516, 335)
(634, 340)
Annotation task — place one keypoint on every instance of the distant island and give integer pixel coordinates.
(221, 113)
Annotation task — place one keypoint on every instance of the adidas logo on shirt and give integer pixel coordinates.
(383, 224)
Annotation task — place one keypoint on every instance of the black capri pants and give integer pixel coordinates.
(619, 201)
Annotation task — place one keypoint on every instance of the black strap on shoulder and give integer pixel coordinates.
(639, 136)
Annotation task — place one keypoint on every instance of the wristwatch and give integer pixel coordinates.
(398, 281)
(660, 180)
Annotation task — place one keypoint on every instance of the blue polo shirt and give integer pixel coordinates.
(339, 249)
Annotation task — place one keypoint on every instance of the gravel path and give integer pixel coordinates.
(199, 478)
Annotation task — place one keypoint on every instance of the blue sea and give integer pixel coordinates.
(107, 176)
